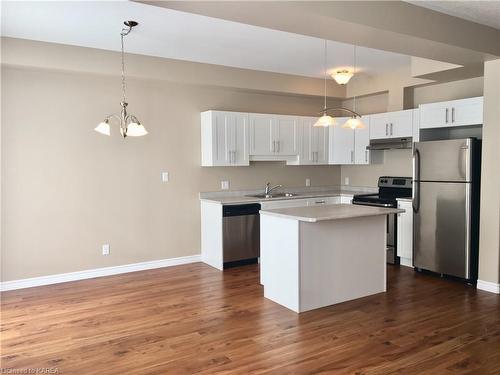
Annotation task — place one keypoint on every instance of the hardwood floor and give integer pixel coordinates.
(195, 319)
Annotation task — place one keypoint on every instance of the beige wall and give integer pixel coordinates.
(489, 245)
(466, 88)
(67, 190)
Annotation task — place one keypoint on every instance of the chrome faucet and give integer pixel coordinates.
(269, 189)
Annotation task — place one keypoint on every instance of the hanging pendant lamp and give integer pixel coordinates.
(130, 126)
(355, 121)
(325, 120)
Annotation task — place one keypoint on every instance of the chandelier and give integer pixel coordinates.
(130, 126)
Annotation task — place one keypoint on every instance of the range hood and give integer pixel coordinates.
(390, 143)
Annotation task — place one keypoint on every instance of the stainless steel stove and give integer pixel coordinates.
(389, 189)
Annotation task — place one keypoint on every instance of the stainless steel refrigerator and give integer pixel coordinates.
(446, 176)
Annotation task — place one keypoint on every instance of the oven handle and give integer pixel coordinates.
(373, 204)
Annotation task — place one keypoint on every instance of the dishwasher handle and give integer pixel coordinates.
(240, 209)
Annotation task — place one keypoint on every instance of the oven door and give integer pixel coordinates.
(391, 229)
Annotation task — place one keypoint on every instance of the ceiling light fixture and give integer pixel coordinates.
(355, 121)
(326, 120)
(342, 76)
(130, 126)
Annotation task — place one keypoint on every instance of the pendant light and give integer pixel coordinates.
(130, 126)
(325, 120)
(355, 121)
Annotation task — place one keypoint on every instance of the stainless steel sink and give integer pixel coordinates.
(274, 195)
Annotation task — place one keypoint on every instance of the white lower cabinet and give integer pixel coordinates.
(405, 233)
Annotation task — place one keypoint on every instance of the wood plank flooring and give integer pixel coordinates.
(194, 319)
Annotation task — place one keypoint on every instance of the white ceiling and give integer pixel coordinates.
(483, 12)
(172, 34)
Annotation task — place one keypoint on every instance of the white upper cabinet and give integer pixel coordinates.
(398, 124)
(313, 147)
(224, 139)
(284, 132)
(272, 135)
(261, 134)
(361, 140)
(452, 113)
(341, 144)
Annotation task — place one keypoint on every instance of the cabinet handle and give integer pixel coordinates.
(278, 144)
(274, 146)
(366, 156)
(234, 156)
(446, 120)
(352, 156)
(320, 202)
(386, 129)
(391, 129)
(316, 156)
(453, 114)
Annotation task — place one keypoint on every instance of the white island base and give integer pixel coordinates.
(313, 257)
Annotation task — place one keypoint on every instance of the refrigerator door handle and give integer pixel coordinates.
(468, 212)
(416, 181)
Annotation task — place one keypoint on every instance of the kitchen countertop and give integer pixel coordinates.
(314, 214)
(242, 197)
(404, 199)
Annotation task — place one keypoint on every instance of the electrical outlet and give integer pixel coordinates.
(105, 249)
(224, 185)
(346, 181)
(164, 177)
(308, 182)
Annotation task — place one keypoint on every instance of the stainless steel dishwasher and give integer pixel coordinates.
(241, 234)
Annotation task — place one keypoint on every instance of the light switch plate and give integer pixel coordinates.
(164, 176)
(224, 185)
(105, 249)
(308, 182)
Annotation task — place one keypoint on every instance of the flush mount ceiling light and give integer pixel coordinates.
(326, 120)
(130, 126)
(342, 76)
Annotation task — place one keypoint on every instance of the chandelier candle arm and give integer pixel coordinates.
(128, 123)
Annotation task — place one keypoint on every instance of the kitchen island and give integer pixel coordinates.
(317, 256)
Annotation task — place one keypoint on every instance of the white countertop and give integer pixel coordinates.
(242, 197)
(314, 214)
(404, 199)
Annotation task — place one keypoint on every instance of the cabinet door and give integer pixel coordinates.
(320, 141)
(361, 140)
(379, 126)
(466, 112)
(405, 233)
(400, 123)
(341, 144)
(306, 151)
(434, 115)
(237, 138)
(285, 135)
(261, 134)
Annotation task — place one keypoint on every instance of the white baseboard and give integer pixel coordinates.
(96, 272)
(488, 286)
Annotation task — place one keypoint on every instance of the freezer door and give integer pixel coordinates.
(441, 228)
(443, 160)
